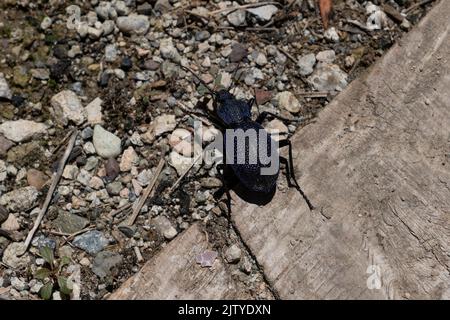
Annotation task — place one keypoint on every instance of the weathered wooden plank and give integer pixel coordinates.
(174, 274)
(376, 166)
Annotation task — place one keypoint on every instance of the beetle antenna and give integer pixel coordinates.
(234, 75)
(214, 93)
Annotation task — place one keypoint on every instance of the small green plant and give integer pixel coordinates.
(52, 84)
(52, 275)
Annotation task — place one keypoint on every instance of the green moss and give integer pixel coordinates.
(5, 31)
(20, 76)
(52, 84)
(50, 38)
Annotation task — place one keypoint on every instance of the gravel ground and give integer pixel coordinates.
(110, 69)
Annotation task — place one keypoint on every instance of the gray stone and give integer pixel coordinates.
(377, 20)
(67, 107)
(92, 241)
(331, 35)
(169, 69)
(103, 9)
(120, 74)
(164, 227)
(327, 56)
(238, 52)
(94, 33)
(144, 177)
(253, 75)
(70, 172)
(286, 100)
(202, 35)
(46, 23)
(163, 6)
(114, 188)
(143, 76)
(108, 27)
(69, 222)
(87, 132)
(18, 284)
(210, 182)
(133, 23)
(74, 51)
(151, 65)
(145, 8)
(89, 148)
(328, 77)
(168, 50)
(121, 8)
(246, 266)
(21, 199)
(41, 242)
(91, 163)
(264, 13)
(306, 64)
(159, 125)
(179, 162)
(5, 145)
(94, 111)
(91, 18)
(129, 159)
(40, 73)
(105, 262)
(13, 257)
(106, 144)
(11, 224)
(84, 177)
(259, 58)
(36, 286)
(111, 52)
(82, 29)
(5, 92)
(236, 18)
(21, 130)
(233, 254)
(135, 139)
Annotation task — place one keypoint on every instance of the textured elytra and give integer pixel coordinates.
(245, 156)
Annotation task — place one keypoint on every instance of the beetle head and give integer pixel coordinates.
(230, 110)
(222, 96)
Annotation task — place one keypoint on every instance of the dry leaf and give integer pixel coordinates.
(325, 11)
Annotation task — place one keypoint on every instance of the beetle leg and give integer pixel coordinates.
(290, 170)
(225, 186)
(285, 161)
(250, 102)
(208, 114)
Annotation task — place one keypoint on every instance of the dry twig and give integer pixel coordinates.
(245, 6)
(146, 192)
(114, 213)
(287, 54)
(312, 94)
(55, 180)
(138, 254)
(175, 185)
(416, 5)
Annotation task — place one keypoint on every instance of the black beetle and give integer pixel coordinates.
(235, 114)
